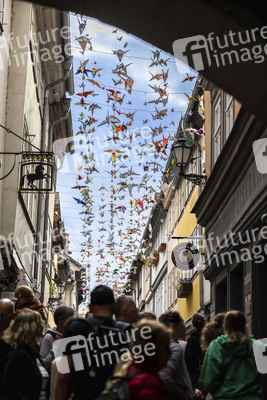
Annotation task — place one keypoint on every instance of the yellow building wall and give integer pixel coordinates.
(189, 305)
(187, 224)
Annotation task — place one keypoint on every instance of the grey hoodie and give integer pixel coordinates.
(176, 370)
(46, 347)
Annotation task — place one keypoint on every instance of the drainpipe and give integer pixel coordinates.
(201, 287)
(151, 290)
(40, 243)
(71, 293)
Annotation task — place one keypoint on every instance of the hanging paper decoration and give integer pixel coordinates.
(82, 24)
(83, 42)
(117, 192)
(120, 53)
(189, 78)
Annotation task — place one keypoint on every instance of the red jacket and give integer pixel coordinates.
(147, 386)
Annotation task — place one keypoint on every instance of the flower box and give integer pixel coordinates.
(162, 247)
(154, 261)
(156, 254)
(185, 289)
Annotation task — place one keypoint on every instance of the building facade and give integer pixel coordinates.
(35, 76)
(155, 278)
(232, 209)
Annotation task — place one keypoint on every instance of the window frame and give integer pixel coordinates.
(2, 15)
(228, 105)
(216, 129)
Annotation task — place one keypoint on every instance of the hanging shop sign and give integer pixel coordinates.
(37, 172)
(185, 256)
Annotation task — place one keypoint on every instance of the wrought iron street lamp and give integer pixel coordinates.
(181, 153)
(61, 289)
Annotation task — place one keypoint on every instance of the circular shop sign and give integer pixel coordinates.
(185, 256)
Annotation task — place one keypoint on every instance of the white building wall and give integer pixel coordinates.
(4, 52)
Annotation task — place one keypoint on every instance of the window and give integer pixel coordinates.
(229, 114)
(169, 290)
(180, 199)
(27, 146)
(173, 203)
(217, 129)
(174, 282)
(187, 188)
(165, 293)
(169, 222)
(2, 7)
(159, 300)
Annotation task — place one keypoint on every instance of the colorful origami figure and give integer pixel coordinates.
(109, 119)
(83, 41)
(189, 78)
(128, 83)
(94, 71)
(95, 83)
(119, 53)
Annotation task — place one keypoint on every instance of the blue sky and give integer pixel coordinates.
(104, 42)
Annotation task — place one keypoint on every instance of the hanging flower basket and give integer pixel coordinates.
(184, 288)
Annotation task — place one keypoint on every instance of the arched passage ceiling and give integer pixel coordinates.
(161, 22)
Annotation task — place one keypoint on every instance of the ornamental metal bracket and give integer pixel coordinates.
(37, 172)
(195, 179)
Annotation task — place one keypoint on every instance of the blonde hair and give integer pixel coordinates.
(235, 325)
(26, 329)
(212, 330)
(157, 330)
(25, 292)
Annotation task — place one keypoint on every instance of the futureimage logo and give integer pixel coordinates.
(260, 155)
(260, 354)
(200, 52)
(15, 49)
(91, 351)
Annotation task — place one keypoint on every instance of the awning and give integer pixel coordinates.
(164, 21)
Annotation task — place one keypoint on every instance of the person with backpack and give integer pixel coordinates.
(91, 348)
(229, 370)
(137, 378)
(61, 316)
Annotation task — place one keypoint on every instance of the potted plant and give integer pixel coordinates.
(184, 287)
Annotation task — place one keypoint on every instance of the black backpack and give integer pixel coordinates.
(120, 390)
(107, 340)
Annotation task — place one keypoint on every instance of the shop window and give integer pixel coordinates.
(237, 288)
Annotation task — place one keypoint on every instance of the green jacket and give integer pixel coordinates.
(237, 380)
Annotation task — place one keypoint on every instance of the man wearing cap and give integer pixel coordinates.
(93, 356)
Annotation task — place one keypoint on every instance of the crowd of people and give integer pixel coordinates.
(115, 352)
